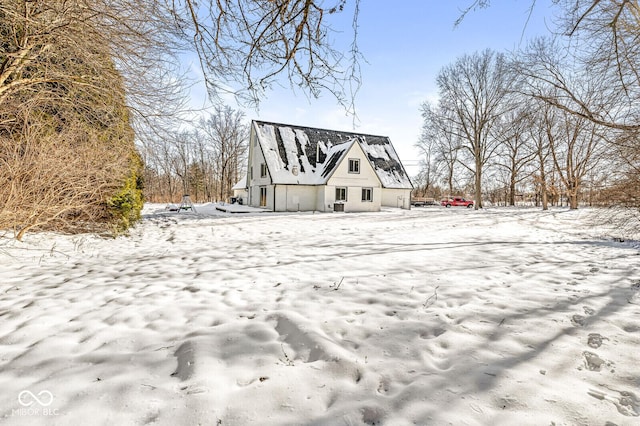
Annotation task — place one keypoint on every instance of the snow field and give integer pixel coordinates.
(428, 316)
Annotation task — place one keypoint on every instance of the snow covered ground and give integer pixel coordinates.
(431, 316)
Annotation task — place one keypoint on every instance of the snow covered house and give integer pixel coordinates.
(295, 168)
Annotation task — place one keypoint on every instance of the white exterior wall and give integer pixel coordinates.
(254, 181)
(354, 182)
(322, 202)
(396, 198)
(293, 198)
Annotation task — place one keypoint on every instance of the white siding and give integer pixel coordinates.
(354, 182)
(293, 198)
(323, 203)
(396, 198)
(254, 181)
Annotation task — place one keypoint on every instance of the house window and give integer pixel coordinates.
(263, 196)
(251, 173)
(354, 165)
(341, 194)
(367, 194)
(263, 170)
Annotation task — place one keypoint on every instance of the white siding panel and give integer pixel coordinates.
(293, 198)
(396, 198)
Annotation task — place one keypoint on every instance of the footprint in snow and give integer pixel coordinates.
(595, 340)
(578, 320)
(592, 361)
(627, 403)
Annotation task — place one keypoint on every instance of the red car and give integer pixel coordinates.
(457, 201)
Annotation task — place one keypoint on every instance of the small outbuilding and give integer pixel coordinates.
(240, 193)
(296, 168)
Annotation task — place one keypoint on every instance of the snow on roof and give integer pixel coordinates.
(242, 184)
(308, 156)
(334, 156)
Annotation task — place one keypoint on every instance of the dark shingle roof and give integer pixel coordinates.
(317, 152)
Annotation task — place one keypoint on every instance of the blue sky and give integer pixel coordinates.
(405, 46)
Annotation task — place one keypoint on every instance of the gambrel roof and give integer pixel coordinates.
(308, 156)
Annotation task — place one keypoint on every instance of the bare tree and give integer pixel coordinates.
(473, 92)
(612, 29)
(575, 140)
(575, 144)
(539, 143)
(245, 46)
(624, 171)
(515, 155)
(204, 164)
(205, 160)
(591, 70)
(612, 56)
(603, 35)
(430, 166)
(228, 135)
(441, 143)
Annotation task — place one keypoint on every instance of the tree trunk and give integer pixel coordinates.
(478, 182)
(573, 201)
(512, 191)
(543, 183)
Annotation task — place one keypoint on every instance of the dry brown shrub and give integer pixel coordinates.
(58, 180)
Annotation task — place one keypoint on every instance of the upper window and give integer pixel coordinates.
(354, 165)
(341, 194)
(367, 194)
(263, 170)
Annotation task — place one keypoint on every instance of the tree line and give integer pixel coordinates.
(554, 122)
(205, 161)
